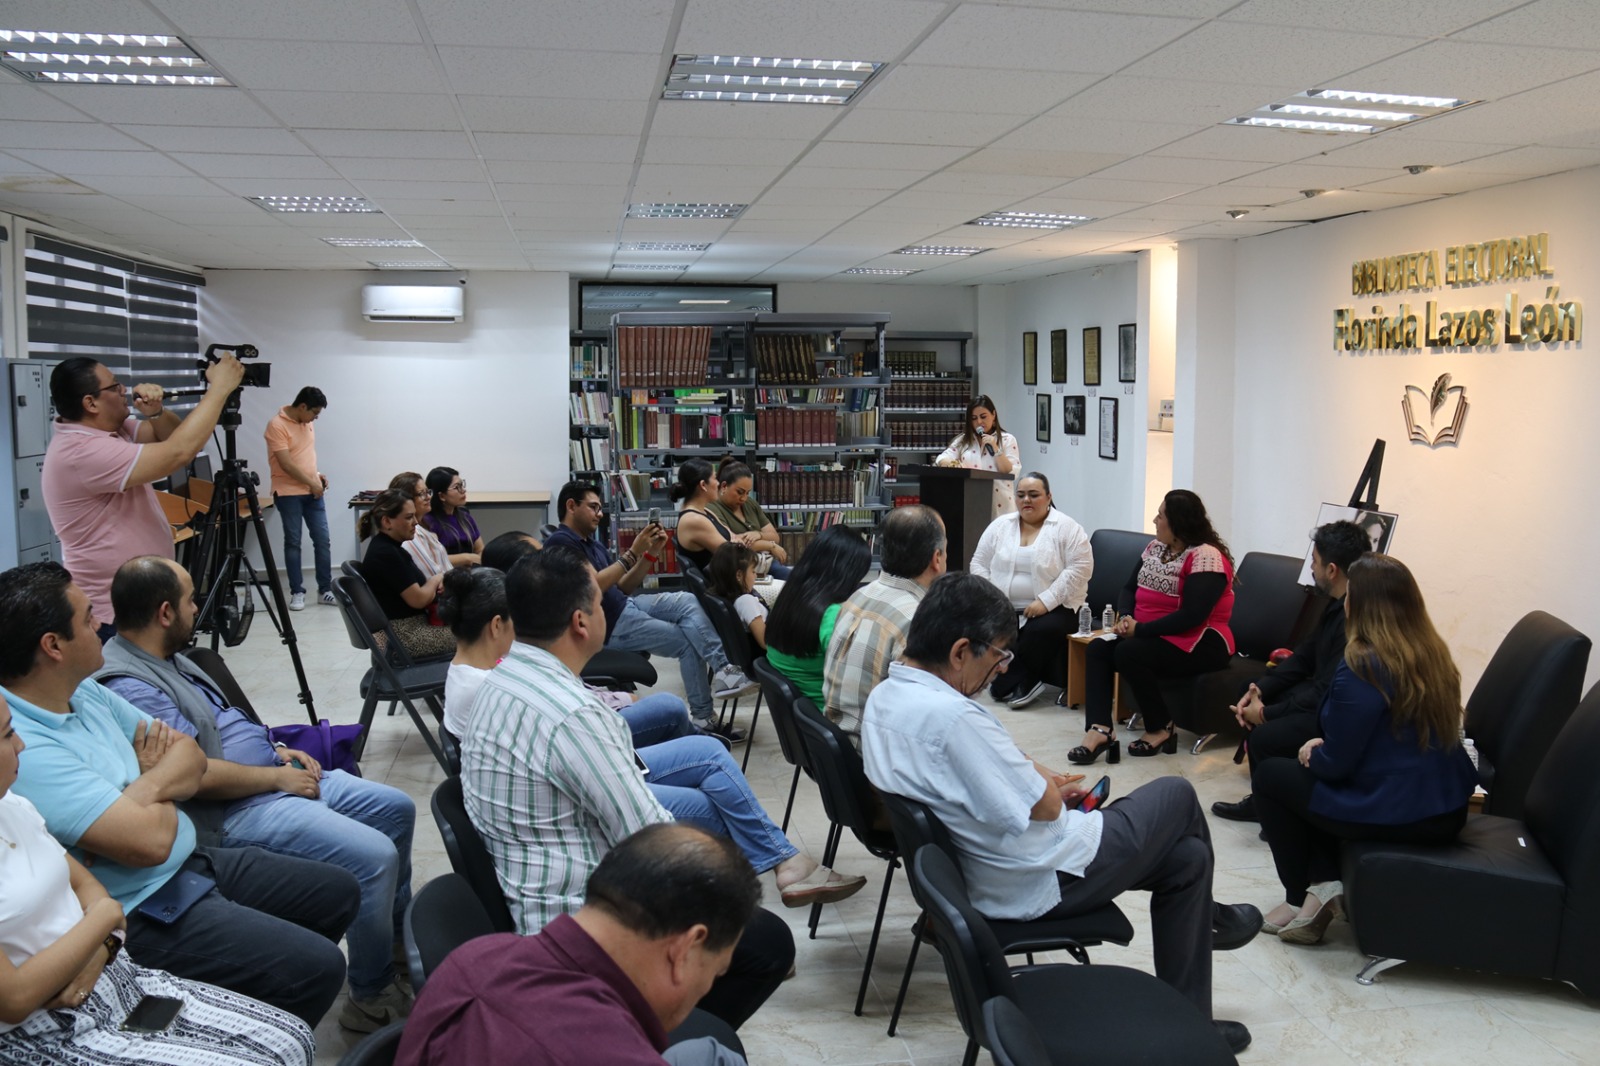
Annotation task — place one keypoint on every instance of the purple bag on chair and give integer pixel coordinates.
(331, 745)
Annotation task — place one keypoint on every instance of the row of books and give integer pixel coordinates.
(858, 425)
(906, 501)
(803, 428)
(818, 488)
(591, 359)
(787, 358)
(590, 453)
(853, 399)
(904, 362)
(909, 433)
(662, 356)
(643, 428)
(950, 394)
(590, 405)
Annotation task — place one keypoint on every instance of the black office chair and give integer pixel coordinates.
(376, 1049)
(1065, 1003)
(469, 856)
(781, 694)
(1013, 1041)
(1116, 555)
(915, 826)
(393, 675)
(850, 800)
(740, 649)
(441, 917)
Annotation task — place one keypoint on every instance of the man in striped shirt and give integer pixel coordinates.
(550, 781)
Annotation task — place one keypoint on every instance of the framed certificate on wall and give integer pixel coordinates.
(1091, 356)
(1030, 358)
(1108, 427)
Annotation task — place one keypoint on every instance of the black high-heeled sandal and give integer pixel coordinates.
(1143, 748)
(1084, 756)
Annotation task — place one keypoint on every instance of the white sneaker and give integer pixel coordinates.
(327, 600)
(297, 602)
(730, 681)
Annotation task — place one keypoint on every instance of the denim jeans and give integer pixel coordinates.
(314, 510)
(359, 825)
(657, 718)
(672, 624)
(697, 780)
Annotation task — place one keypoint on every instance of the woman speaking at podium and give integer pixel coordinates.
(983, 445)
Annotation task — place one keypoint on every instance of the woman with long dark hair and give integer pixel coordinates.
(401, 589)
(448, 517)
(699, 533)
(1173, 622)
(802, 620)
(1389, 764)
(983, 445)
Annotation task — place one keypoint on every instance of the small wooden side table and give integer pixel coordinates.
(1077, 667)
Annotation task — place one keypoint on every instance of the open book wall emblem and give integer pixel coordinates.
(1444, 408)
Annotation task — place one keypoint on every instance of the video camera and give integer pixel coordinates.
(256, 375)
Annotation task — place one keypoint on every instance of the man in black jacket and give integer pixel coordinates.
(1281, 709)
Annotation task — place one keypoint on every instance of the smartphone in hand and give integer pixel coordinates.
(152, 1014)
(1097, 796)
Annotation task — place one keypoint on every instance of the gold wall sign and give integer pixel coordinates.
(1508, 320)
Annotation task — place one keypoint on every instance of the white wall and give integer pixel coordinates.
(487, 396)
(1494, 527)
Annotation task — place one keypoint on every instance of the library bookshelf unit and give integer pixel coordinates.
(930, 384)
(787, 394)
(589, 406)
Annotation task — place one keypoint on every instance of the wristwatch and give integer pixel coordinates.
(113, 944)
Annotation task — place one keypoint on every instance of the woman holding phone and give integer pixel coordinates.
(983, 445)
(68, 993)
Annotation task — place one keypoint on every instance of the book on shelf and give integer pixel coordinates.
(590, 405)
(662, 356)
(591, 359)
(590, 453)
(786, 358)
(909, 362)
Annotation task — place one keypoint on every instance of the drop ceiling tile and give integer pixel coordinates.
(1534, 160)
(1141, 192)
(842, 177)
(1445, 181)
(68, 161)
(1057, 133)
(911, 127)
(214, 139)
(1552, 114)
(1178, 169)
(786, 196)
(521, 192)
(958, 90)
(536, 214)
(149, 184)
(325, 66)
(268, 185)
(1059, 203)
(1400, 148)
(1236, 195)
(1470, 70)
(1544, 23)
(610, 25)
(556, 147)
(691, 151)
(399, 145)
(293, 167)
(819, 29)
(294, 20)
(550, 73)
(693, 118)
(786, 226)
(1322, 175)
(1424, 18)
(1005, 186)
(556, 172)
(820, 217)
(149, 105)
(524, 114)
(1009, 38)
(662, 183)
(415, 169)
(1230, 229)
(1261, 144)
(65, 135)
(1171, 100)
(26, 102)
(1217, 51)
(402, 209)
(382, 191)
(361, 110)
(1056, 166)
(926, 158)
(672, 229)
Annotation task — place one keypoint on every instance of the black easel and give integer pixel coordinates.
(1369, 480)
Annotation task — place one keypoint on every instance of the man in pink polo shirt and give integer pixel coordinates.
(101, 461)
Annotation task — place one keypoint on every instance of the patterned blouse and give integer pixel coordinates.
(1161, 590)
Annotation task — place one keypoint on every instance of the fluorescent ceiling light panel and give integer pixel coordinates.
(1029, 220)
(614, 307)
(410, 264)
(371, 242)
(316, 205)
(686, 210)
(105, 59)
(766, 80)
(705, 301)
(661, 246)
(648, 266)
(936, 249)
(883, 272)
(1347, 111)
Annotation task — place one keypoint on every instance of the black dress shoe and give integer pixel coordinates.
(1233, 925)
(1243, 811)
(1237, 1036)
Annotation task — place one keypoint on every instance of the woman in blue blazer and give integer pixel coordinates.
(1389, 764)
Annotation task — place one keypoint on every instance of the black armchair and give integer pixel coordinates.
(1116, 555)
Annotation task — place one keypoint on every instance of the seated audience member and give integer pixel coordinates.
(732, 576)
(737, 509)
(803, 618)
(448, 519)
(1173, 622)
(504, 551)
(699, 533)
(106, 778)
(606, 984)
(871, 630)
(1280, 710)
(666, 623)
(1041, 560)
(1025, 851)
(253, 794)
(66, 986)
(407, 596)
(423, 547)
(551, 783)
(1389, 764)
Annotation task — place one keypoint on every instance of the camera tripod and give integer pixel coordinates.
(227, 601)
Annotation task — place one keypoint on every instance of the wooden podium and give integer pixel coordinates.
(964, 499)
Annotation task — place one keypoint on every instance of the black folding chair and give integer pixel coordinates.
(376, 1049)
(736, 643)
(394, 676)
(781, 695)
(469, 856)
(441, 917)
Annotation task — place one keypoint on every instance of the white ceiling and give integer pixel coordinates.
(512, 134)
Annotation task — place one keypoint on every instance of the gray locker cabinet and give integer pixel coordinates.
(31, 413)
(33, 522)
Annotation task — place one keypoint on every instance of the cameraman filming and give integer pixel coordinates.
(101, 461)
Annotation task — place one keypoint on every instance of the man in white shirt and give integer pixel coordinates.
(1024, 851)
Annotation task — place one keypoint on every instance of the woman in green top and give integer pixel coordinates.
(735, 508)
(801, 622)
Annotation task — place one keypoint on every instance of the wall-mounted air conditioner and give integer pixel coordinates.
(413, 303)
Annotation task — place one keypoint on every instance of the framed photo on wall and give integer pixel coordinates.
(1127, 351)
(1042, 412)
(1030, 358)
(1108, 427)
(1074, 416)
(1091, 356)
(1058, 356)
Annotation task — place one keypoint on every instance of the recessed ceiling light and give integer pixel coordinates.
(371, 242)
(1237, 213)
(936, 249)
(316, 205)
(409, 264)
(1029, 220)
(885, 272)
(1310, 193)
(705, 301)
(650, 266)
(766, 80)
(614, 306)
(1347, 111)
(685, 210)
(1419, 168)
(661, 246)
(105, 59)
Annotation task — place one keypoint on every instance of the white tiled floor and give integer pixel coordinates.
(1302, 1004)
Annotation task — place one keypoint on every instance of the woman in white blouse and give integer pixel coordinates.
(1041, 559)
(983, 445)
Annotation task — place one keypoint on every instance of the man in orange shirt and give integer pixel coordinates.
(297, 490)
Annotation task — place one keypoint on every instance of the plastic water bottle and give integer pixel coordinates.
(1108, 617)
(1472, 750)
(1085, 620)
